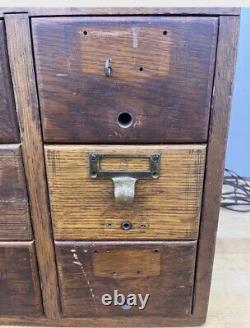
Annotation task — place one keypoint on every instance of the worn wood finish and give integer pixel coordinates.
(166, 208)
(170, 290)
(19, 281)
(21, 64)
(76, 11)
(223, 88)
(80, 104)
(14, 207)
(8, 122)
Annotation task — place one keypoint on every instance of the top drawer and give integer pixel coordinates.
(8, 120)
(160, 84)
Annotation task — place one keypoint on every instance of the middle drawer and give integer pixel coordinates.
(125, 192)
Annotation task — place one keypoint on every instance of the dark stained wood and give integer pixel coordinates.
(169, 100)
(8, 121)
(76, 11)
(19, 281)
(163, 208)
(21, 64)
(170, 290)
(14, 208)
(223, 90)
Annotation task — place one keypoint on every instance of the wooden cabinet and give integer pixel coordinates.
(160, 85)
(123, 117)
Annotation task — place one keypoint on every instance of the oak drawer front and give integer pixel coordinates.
(14, 208)
(88, 270)
(164, 208)
(162, 73)
(19, 281)
(8, 122)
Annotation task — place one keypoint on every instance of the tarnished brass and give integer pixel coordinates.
(124, 182)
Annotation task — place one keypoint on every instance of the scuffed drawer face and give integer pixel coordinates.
(14, 208)
(8, 121)
(125, 79)
(152, 278)
(85, 204)
(19, 281)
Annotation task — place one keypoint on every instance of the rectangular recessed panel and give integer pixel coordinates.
(84, 281)
(160, 85)
(163, 208)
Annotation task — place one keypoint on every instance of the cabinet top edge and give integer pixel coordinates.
(74, 11)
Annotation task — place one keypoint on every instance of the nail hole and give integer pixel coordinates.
(95, 251)
(165, 32)
(138, 272)
(85, 32)
(156, 251)
(125, 120)
(141, 68)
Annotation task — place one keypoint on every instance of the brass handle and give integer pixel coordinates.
(124, 182)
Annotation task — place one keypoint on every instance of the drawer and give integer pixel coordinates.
(19, 281)
(160, 85)
(111, 205)
(89, 270)
(14, 208)
(8, 122)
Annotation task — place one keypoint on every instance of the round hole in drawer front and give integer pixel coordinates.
(126, 225)
(165, 32)
(125, 120)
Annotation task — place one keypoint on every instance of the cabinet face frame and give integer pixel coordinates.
(19, 46)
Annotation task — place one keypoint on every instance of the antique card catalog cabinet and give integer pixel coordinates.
(113, 132)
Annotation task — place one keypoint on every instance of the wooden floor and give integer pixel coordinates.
(230, 295)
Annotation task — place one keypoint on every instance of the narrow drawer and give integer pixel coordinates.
(89, 270)
(8, 122)
(86, 204)
(19, 281)
(160, 85)
(14, 208)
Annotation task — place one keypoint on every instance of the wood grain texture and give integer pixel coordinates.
(19, 281)
(223, 89)
(76, 11)
(21, 64)
(14, 207)
(166, 208)
(170, 291)
(150, 70)
(8, 122)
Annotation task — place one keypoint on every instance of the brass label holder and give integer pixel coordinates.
(124, 182)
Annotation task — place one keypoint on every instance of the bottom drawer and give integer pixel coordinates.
(19, 281)
(153, 278)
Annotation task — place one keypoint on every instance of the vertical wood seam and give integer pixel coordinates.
(23, 79)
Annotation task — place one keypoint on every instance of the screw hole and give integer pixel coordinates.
(156, 251)
(126, 225)
(138, 272)
(165, 32)
(85, 32)
(125, 120)
(141, 68)
(95, 251)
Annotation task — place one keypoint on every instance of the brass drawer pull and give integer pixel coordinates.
(124, 182)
